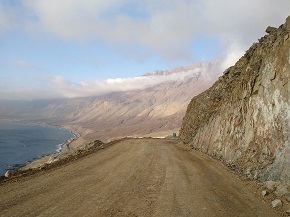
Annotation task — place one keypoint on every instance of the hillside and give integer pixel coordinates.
(131, 113)
(243, 119)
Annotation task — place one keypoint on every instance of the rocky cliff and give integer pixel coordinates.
(244, 118)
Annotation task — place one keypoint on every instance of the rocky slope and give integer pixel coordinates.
(120, 114)
(244, 118)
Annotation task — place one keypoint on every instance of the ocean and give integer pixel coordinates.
(21, 143)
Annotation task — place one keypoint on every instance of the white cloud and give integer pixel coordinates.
(73, 19)
(8, 18)
(65, 88)
(166, 28)
(234, 51)
(142, 29)
(160, 27)
(59, 87)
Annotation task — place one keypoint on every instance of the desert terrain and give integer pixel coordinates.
(134, 177)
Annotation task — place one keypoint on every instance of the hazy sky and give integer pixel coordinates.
(53, 48)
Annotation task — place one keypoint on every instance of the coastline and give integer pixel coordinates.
(79, 142)
(61, 146)
(61, 149)
(67, 143)
(70, 147)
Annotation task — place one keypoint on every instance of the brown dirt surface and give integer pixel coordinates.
(134, 177)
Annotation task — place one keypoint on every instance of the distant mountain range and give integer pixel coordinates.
(130, 113)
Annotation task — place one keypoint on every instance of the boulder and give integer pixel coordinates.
(287, 197)
(98, 143)
(8, 174)
(270, 29)
(271, 185)
(276, 203)
(281, 191)
(52, 160)
(264, 193)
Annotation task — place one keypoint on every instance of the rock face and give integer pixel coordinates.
(244, 118)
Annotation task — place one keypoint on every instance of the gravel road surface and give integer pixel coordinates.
(135, 177)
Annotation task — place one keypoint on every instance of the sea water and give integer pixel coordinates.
(21, 143)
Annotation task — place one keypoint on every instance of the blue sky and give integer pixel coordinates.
(49, 46)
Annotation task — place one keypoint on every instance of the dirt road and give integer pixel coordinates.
(136, 177)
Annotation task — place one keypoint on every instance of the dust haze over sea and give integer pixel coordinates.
(21, 143)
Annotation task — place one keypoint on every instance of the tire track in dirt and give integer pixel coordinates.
(135, 177)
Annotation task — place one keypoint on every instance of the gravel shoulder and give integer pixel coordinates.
(134, 177)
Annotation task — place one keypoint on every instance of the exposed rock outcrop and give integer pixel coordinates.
(287, 24)
(270, 29)
(244, 118)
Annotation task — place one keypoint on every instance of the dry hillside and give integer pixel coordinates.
(244, 117)
(120, 114)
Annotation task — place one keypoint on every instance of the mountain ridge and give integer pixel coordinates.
(127, 113)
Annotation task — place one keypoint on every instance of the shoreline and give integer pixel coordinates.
(69, 148)
(79, 142)
(67, 142)
(75, 134)
(59, 150)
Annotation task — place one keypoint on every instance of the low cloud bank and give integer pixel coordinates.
(69, 89)
(59, 87)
